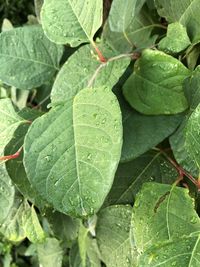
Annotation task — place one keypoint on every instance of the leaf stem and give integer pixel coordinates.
(13, 156)
(100, 55)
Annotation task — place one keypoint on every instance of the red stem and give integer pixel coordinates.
(100, 55)
(13, 156)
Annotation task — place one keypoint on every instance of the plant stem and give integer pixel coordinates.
(100, 55)
(13, 156)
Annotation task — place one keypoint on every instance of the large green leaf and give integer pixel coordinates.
(122, 14)
(176, 40)
(72, 22)
(138, 33)
(156, 84)
(112, 232)
(72, 152)
(78, 72)
(27, 57)
(158, 215)
(131, 175)
(182, 252)
(186, 143)
(142, 132)
(50, 253)
(187, 13)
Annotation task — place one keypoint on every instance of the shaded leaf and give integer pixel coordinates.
(122, 14)
(131, 175)
(50, 253)
(187, 13)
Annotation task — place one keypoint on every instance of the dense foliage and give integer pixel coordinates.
(100, 134)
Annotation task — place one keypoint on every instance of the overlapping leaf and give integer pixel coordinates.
(158, 215)
(187, 13)
(71, 153)
(113, 238)
(81, 70)
(156, 84)
(131, 175)
(27, 58)
(71, 22)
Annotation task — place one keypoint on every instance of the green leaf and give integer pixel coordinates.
(72, 22)
(31, 225)
(176, 40)
(122, 14)
(92, 255)
(192, 89)
(71, 162)
(9, 122)
(7, 193)
(112, 233)
(80, 71)
(50, 253)
(27, 57)
(156, 84)
(15, 167)
(142, 132)
(138, 34)
(187, 13)
(64, 227)
(178, 145)
(180, 252)
(131, 175)
(158, 215)
(12, 229)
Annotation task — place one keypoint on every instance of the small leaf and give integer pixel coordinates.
(15, 167)
(176, 40)
(112, 231)
(158, 215)
(79, 71)
(156, 84)
(71, 22)
(50, 253)
(27, 58)
(72, 152)
(12, 229)
(186, 13)
(180, 252)
(9, 122)
(31, 225)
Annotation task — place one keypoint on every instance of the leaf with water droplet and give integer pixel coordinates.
(156, 86)
(82, 163)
